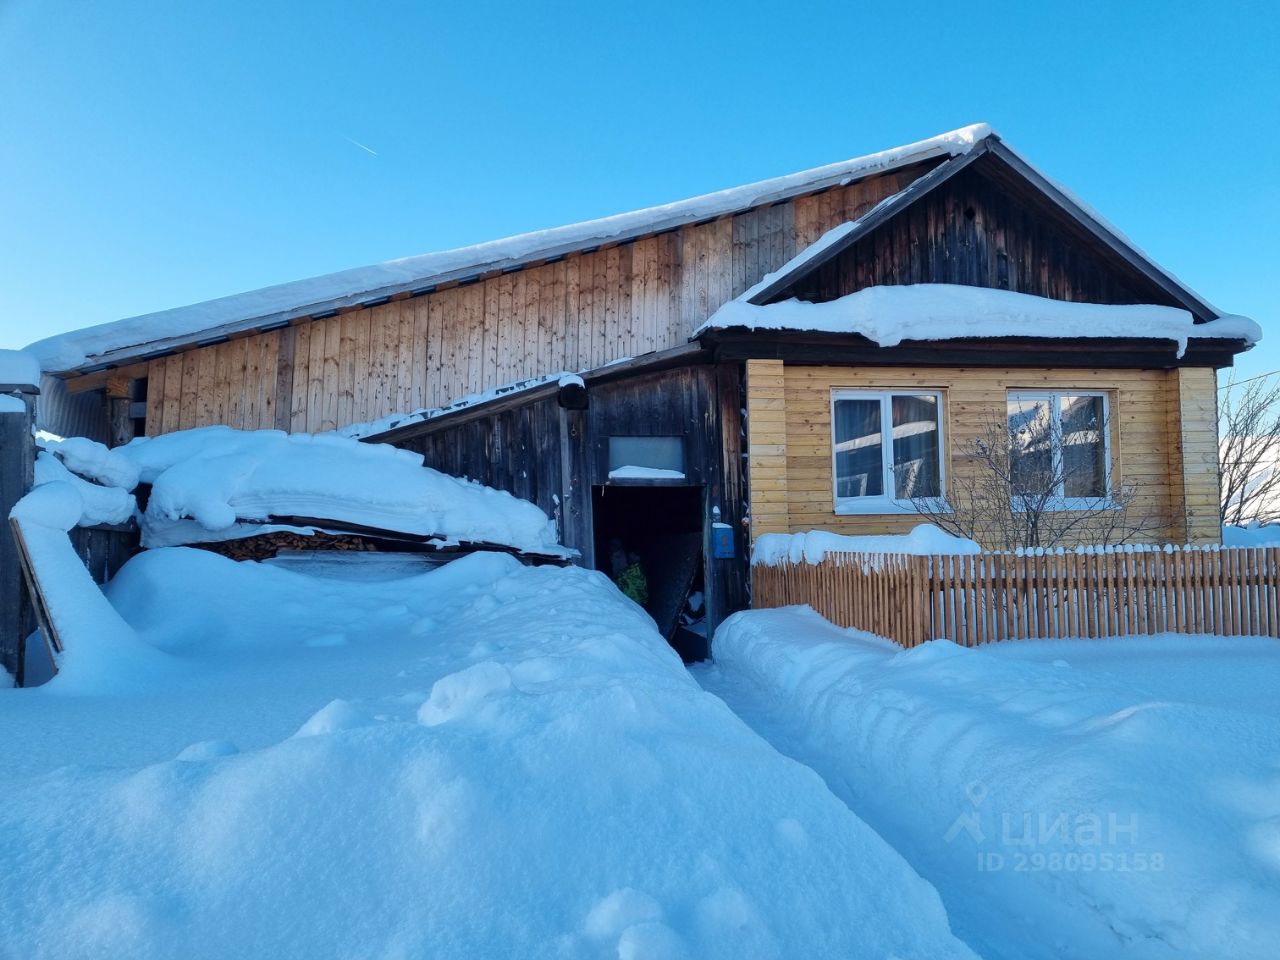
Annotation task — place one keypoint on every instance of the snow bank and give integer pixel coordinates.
(93, 460)
(487, 760)
(11, 404)
(302, 297)
(925, 539)
(1089, 799)
(99, 504)
(1254, 535)
(100, 648)
(19, 367)
(888, 315)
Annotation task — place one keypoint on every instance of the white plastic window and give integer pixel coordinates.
(886, 450)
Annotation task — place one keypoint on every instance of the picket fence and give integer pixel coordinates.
(981, 598)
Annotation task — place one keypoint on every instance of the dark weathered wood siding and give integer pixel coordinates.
(971, 232)
(553, 457)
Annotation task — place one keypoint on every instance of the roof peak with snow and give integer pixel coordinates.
(279, 303)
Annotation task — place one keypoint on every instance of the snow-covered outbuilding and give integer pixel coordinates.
(803, 352)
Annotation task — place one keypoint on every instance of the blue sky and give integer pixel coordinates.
(154, 154)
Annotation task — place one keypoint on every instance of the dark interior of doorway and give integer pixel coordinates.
(658, 529)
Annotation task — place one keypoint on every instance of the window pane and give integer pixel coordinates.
(661, 453)
(1084, 466)
(859, 468)
(915, 447)
(1031, 446)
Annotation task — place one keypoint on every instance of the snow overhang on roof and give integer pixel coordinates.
(935, 312)
(136, 338)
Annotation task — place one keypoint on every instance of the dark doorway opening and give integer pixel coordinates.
(648, 540)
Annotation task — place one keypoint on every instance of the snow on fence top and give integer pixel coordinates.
(888, 315)
(299, 298)
(205, 482)
(925, 539)
(928, 540)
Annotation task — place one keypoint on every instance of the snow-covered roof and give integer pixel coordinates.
(888, 315)
(373, 428)
(19, 368)
(123, 340)
(208, 482)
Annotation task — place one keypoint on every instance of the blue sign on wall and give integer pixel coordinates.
(722, 541)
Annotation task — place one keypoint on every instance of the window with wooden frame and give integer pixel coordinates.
(886, 449)
(1060, 447)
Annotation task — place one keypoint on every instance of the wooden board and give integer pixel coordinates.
(48, 630)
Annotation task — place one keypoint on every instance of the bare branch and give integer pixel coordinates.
(1032, 482)
(1249, 450)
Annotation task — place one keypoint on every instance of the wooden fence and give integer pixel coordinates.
(985, 597)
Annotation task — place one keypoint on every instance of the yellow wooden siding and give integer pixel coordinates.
(1193, 430)
(578, 313)
(767, 446)
(1146, 448)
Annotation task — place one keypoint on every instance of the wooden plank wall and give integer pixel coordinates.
(1145, 440)
(554, 457)
(767, 447)
(1192, 394)
(574, 314)
(971, 232)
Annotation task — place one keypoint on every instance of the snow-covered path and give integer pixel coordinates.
(486, 760)
(1067, 799)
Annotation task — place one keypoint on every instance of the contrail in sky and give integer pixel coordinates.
(361, 146)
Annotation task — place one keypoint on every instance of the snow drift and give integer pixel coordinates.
(1088, 799)
(486, 760)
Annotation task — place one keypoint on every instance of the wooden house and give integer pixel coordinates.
(682, 435)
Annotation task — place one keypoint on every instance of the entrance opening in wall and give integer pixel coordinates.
(648, 540)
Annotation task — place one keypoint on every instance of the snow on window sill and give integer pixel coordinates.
(884, 506)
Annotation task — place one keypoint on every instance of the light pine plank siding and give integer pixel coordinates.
(1146, 410)
(208, 388)
(767, 447)
(301, 359)
(155, 398)
(420, 332)
(190, 390)
(1197, 439)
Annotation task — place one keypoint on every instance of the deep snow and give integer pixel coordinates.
(486, 760)
(1089, 799)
